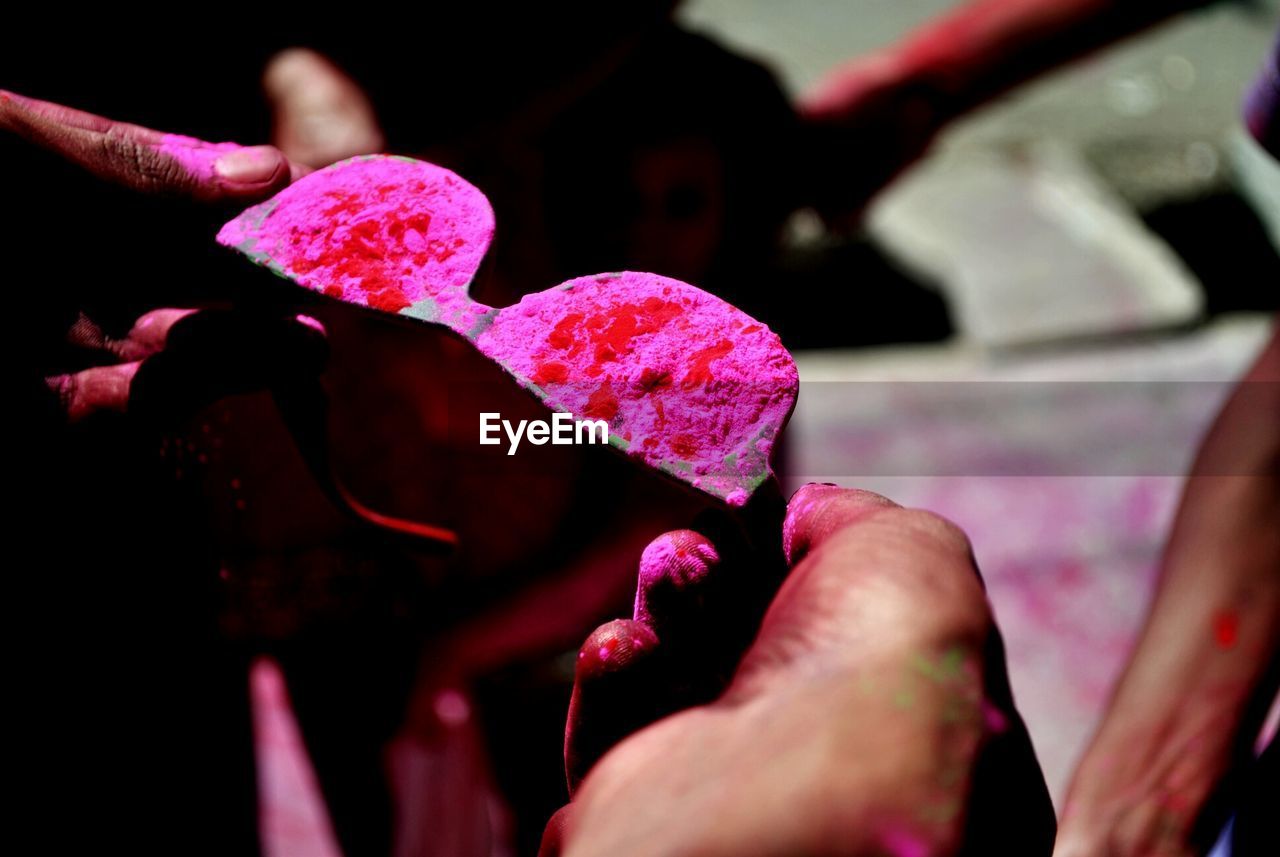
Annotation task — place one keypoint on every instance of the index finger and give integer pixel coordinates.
(147, 160)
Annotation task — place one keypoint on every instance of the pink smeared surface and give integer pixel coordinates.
(381, 232)
(689, 384)
(682, 556)
(680, 559)
(196, 156)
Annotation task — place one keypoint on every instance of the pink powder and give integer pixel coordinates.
(196, 156)
(392, 234)
(680, 560)
(682, 556)
(688, 383)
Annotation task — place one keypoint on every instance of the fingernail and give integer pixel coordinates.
(250, 165)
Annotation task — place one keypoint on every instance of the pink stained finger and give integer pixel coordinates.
(143, 158)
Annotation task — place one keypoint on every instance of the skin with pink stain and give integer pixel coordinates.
(145, 159)
(870, 716)
(200, 158)
(687, 383)
(677, 560)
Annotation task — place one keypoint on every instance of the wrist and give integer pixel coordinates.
(1170, 755)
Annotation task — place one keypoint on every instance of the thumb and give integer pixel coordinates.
(321, 114)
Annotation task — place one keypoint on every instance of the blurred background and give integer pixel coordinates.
(1110, 229)
(1027, 332)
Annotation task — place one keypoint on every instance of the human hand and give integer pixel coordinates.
(320, 114)
(872, 715)
(867, 120)
(150, 161)
(173, 361)
(1158, 776)
(1141, 790)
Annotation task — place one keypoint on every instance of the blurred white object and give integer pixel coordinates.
(1030, 247)
(1257, 176)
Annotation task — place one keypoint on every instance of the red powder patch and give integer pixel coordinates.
(700, 363)
(684, 445)
(602, 404)
(561, 336)
(1226, 629)
(380, 232)
(550, 372)
(651, 379)
(370, 253)
(700, 387)
(668, 367)
(607, 337)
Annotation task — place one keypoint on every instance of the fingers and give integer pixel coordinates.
(216, 353)
(321, 114)
(875, 583)
(871, 580)
(146, 160)
(817, 511)
(96, 390)
(704, 591)
(107, 388)
(851, 86)
(147, 336)
(625, 678)
(864, 123)
(882, 633)
(616, 691)
(177, 360)
(676, 571)
(703, 595)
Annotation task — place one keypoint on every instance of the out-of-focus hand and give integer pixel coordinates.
(174, 361)
(147, 160)
(320, 114)
(867, 119)
(871, 716)
(1140, 792)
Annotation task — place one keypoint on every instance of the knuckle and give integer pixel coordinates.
(136, 161)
